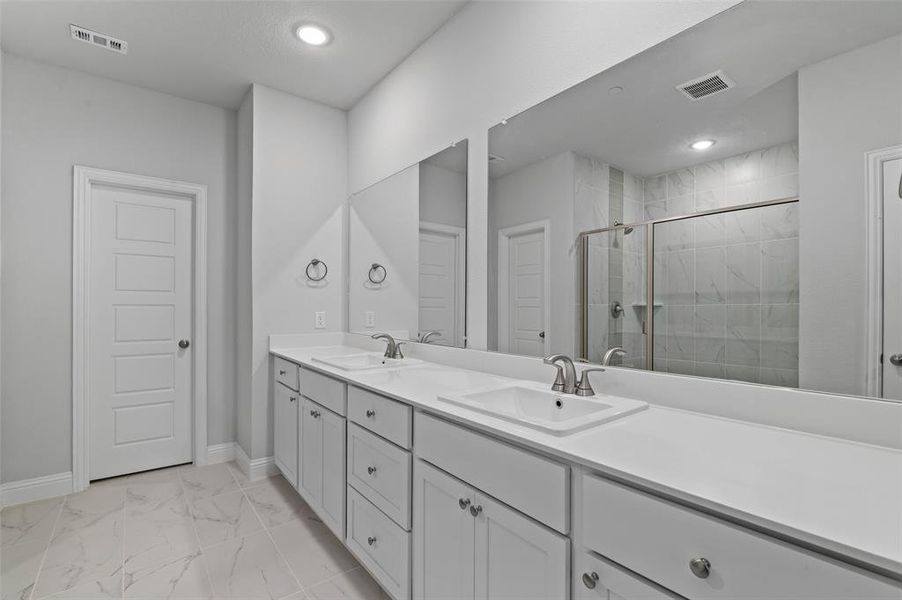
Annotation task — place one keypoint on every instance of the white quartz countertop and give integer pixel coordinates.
(839, 496)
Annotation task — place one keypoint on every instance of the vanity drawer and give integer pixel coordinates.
(324, 390)
(286, 372)
(378, 543)
(658, 539)
(381, 415)
(381, 472)
(533, 484)
(600, 579)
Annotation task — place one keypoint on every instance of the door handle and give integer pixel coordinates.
(184, 344)
(542, 334)
(896, 359)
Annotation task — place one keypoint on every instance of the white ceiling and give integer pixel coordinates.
(647, 128)
(210, 51)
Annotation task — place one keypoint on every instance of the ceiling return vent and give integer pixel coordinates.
(98, 39)
(706, 85)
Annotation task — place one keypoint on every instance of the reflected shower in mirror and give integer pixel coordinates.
(407, 257)
(714, 206)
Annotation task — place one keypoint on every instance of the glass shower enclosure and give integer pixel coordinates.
(711, 293)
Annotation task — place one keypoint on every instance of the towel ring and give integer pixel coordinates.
(373, 275)
(315, 263)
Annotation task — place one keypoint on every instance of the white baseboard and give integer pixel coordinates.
(220, 453)
(258, 468)
(39, 488)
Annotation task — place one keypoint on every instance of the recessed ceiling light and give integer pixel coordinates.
(315, 35)
(702, 144)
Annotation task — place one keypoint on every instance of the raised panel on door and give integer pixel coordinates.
(141, 291)
(285, 432)
(597, 578)
(443, 536)
(334, 482)
(516, 557)
(310, 482)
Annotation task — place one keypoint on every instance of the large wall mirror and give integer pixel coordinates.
(408, 248)
(726, 204)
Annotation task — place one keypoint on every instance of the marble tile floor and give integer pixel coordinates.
(182, 532)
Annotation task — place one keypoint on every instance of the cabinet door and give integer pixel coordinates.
(516, 557)
(311, 453)
(443, 534)
(600, 579)
(334, 481)
(285, 432)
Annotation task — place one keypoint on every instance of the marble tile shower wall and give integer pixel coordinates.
(605, 194)
(728, 284)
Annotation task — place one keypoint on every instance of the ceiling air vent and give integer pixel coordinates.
(98, 39)
(707, 85)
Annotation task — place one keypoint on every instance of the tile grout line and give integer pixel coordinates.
(200, 549)
(59, 513)
(272, 540)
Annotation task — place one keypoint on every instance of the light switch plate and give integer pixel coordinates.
(369, 319)
(319, 320)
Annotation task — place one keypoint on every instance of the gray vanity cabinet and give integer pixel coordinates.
(469, 545)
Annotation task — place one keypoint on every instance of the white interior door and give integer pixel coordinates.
(140, 309)
(440, 288)
(892, 279)
(526, 294)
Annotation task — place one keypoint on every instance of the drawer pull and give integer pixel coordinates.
(371, 470)
(371, 540)
(281, 371)
(589, 579)
(475, 510)
(700, 567)
(463, 503)
(370, 414)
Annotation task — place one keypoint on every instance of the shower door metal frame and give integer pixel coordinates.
(649, 228)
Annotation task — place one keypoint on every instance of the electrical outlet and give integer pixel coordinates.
(319, 320)
(369, 319)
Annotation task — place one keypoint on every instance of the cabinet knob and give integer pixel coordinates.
(371, 470)
(281, 371)
(291, 398)
(371, 540)
(700, 567)
(589, 579)
(475, 510)
(370, 414)
(463, 503)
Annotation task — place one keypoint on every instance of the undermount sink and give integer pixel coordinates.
(365, 361)
(545, 410)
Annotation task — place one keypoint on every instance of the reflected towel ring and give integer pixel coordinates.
(373, 275)
(315, 263)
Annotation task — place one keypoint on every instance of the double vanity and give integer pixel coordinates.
(454, 483)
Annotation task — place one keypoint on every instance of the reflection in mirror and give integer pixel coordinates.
(713, 206)
(407, 252)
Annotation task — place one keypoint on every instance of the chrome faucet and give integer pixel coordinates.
(609, 355)
(427, 337)
(565, 381)
(392, 348)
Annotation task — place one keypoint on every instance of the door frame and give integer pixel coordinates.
(874, 161)
(83, 179)
(460, 288)
(504, 240)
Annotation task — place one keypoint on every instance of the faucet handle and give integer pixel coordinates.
(584, 387)
(559, 384)
(398, 353)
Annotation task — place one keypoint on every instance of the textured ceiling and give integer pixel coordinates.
(210, 51)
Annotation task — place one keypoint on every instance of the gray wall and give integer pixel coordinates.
(848, 105)
(53, 119)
